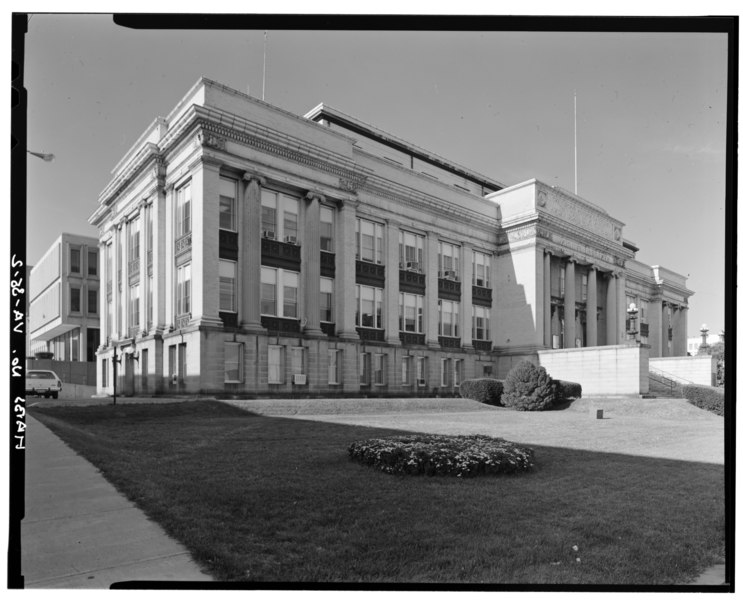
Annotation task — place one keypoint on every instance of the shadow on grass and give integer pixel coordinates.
(277, 500)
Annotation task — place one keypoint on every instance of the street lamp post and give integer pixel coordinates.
(42, 155)
(703, 347)
(632, 315)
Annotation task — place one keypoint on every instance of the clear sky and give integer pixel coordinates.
(651, 115)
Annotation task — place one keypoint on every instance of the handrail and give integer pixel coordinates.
(673, 376)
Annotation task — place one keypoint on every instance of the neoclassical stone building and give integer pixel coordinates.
(249, 251)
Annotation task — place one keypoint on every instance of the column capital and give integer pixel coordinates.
(347, 203)
(249, 176)
(312, 196)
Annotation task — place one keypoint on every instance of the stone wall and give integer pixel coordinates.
(601, 370)
(686, 369)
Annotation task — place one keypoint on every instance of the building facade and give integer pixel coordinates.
(64, 300)
(249, 251)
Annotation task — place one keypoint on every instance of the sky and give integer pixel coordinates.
(651, 115)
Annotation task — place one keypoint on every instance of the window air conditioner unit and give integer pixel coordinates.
(421, 382)
(452, 275)
(412, 266)
(290, 239)
(269, 234)
(299, 379)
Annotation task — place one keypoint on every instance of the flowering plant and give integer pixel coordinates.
(448, 455)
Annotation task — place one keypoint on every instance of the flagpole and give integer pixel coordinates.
(263, 93)
(575, 138)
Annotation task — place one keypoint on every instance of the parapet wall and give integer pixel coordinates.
(700, 369)
(601, 370)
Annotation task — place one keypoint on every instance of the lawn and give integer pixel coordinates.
(269, 499)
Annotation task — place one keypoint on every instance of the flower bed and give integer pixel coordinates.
(442, 455)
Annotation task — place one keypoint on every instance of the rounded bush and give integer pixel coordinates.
(566, 390)
(485, 390)
(442, 455)
(528, 387)
(705, 397)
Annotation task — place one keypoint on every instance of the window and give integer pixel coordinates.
(445, 372)
(411, 312)
(480, 323)
(227, 288)
(134, 306)
(365, 368)
(275, 367)
(75, 345)
(448, 318)
(458, 364)
(380, 361)
(368, 306)
(405, 371)
(134, 239)
(74, 260)
(369, 241)
(411, 251)
(149, 304)
(92, 263)
(448, 261)
(643, 311)
(172, 365)
(420, 370)
(480, 269)
(298, 360)
(233, 362)
(92, 302)
(279, 216)
(104, 372)
(227, 195)
(326, 300)
(334, 361)
(183, 210)
(327, 217)
(183, 290)
(279, 293)
(562, 282)
(584, 287)
(75, 299)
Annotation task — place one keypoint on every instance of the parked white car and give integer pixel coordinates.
(43, 383)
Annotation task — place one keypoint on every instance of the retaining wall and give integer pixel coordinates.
(700, 369)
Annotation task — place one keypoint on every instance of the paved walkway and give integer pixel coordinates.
(79, 532)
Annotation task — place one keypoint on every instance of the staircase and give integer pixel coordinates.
(664, 386)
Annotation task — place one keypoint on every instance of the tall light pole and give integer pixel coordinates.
(42, 155)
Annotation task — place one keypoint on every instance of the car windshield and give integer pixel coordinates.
(40, 375)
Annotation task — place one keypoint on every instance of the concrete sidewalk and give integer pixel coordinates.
(79, 532)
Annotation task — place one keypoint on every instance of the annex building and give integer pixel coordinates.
(249, 251)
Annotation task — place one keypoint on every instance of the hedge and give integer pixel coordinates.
(485, 390)
(705, 397)
(566, 390)
(528, 387)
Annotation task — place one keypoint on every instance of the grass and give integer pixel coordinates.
(269, 499)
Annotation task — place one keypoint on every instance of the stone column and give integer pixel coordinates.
(570, 304)
(591, 310)
(392, 287)
(311, 265)
(547, 299)
(679, 334)
(204, 252)
(611, 310)
(144, 283)
(167, 231)
(160, 257)
(621, 308)
(466, 305)
(249, 242)
(124, 282)
(432, 289)
(345, 276)
(664, 329)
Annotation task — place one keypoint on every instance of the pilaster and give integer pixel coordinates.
(621, 312)
(547, 299)
(392, 287)
(432, 289)
(249, 242)
(346, 274)
(310, 274)
(591, 309)
(466, 305)
(570, 304)
(611, 310)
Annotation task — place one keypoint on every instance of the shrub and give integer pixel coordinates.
(485, 390)
(705, 397)
(442, 455)
(566, 390)
(528, 387)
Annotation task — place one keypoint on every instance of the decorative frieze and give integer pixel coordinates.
(482, 296)
(281, 255)
(370, 335)
(482, 345)
(449, 342)
(211, 140)
(183, 244)
(182, 321)
(450, 289)
(412, 339)
(368, 273)
(412, 282)
(280, 325)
